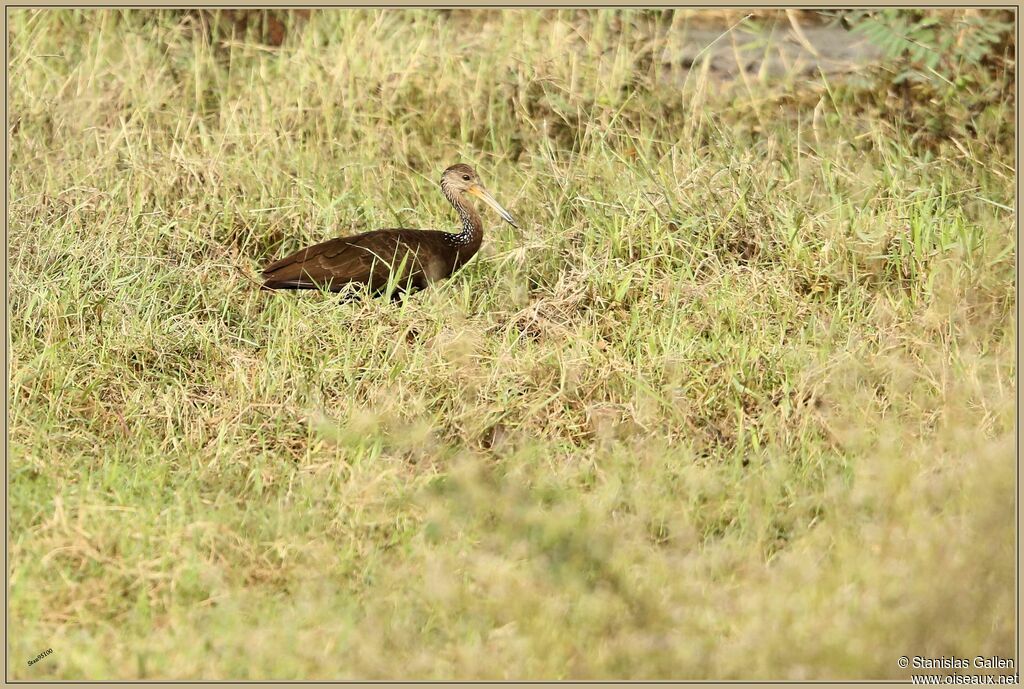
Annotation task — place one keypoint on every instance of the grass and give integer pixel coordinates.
(737, 402)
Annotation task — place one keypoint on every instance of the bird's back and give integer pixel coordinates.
(403, 257)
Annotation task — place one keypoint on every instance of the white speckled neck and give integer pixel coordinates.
(472, 225)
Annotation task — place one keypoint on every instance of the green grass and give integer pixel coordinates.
(736, 402)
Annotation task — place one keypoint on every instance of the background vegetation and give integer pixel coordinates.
(737, 402)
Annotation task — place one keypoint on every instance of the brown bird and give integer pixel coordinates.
(396, 260)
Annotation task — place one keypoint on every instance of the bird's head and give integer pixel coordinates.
(461, 180)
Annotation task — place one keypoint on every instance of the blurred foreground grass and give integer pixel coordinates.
(737, 402)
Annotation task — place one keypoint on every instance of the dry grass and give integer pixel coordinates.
(736, 403)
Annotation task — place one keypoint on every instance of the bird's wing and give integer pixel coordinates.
(367, 258)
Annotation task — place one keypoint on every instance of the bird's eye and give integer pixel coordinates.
(465, 177)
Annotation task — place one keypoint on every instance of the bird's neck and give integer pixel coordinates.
(472, 226)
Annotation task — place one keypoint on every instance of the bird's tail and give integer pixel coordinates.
(265, 287)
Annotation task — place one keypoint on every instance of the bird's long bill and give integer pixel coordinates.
(483, 194)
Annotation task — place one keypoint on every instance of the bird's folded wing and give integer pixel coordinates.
(363, 258)
(333, 262)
